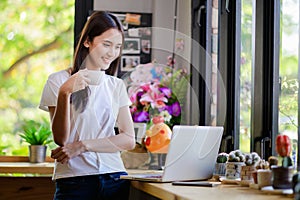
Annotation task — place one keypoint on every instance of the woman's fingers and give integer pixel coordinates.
(63, 158)
(77, 81)
(60, 155)
(80, 81)
(54, 152)
(65, 153)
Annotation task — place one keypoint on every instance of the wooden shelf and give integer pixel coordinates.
(21, 164)
(20, 159)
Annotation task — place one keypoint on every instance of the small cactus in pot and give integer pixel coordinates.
(222, 157)
(220, 166)
(236, 156)
(236, 159)
(284, 148)
(251, 161)
(282, 175)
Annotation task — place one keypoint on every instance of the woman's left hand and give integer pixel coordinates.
(65, 153)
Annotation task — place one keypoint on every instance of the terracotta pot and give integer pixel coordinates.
(282, 177)
(254, 176)
(246, 173)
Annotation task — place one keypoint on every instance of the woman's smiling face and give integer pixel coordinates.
(104, 49)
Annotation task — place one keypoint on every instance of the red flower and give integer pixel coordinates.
(283, 145)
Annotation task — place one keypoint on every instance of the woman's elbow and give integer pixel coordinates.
(59, 141)
(59, 137)
(130, 144)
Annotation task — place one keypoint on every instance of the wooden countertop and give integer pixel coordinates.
(160, 190)
(223, 191)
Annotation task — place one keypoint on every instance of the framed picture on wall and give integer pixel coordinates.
(137, 40)
(132, 46)
(146, 46)
(128, 63)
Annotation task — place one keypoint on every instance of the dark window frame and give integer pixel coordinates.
(229, 67)
(201, 65)
(83, 9)
(265, 107)
(264, 112)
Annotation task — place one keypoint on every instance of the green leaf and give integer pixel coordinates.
(36, 133)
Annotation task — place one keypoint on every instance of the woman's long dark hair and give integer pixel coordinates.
(98, 23)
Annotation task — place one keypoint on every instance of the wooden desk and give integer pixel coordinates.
(231, 192)
(42, 187)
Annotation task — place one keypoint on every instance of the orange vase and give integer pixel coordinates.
(158, 136)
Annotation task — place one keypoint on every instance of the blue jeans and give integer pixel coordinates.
(102, 186)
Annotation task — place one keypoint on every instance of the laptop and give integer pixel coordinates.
(191, 155)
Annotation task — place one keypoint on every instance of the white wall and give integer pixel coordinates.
(124, 5)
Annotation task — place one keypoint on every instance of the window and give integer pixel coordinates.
(264, 67)
(288, 72)
(31, 48)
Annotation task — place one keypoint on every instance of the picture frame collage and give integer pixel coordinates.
(137, 40)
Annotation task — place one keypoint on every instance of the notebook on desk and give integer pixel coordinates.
(191, 155)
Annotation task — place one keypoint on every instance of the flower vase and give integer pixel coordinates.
(157, 161)
(157, 140)
(158, 136)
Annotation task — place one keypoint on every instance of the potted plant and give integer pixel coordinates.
(251, 161)
(262, 165)
(220, 166)
(37, 135)
(236, 159)
(282, 175)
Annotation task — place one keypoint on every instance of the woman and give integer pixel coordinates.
(88, 163)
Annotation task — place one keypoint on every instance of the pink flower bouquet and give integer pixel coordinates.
(157, 90)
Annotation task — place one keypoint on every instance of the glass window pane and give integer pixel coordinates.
(288, 71)
(36, 40)
(246, 74)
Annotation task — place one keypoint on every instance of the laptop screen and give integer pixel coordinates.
(192, 152)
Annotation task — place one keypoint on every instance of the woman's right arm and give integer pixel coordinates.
(60, 115)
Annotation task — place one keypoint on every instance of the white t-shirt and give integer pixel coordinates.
(96, 121)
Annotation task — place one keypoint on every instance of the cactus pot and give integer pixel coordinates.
(233, 170)
(282, 177)
(220, 169)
